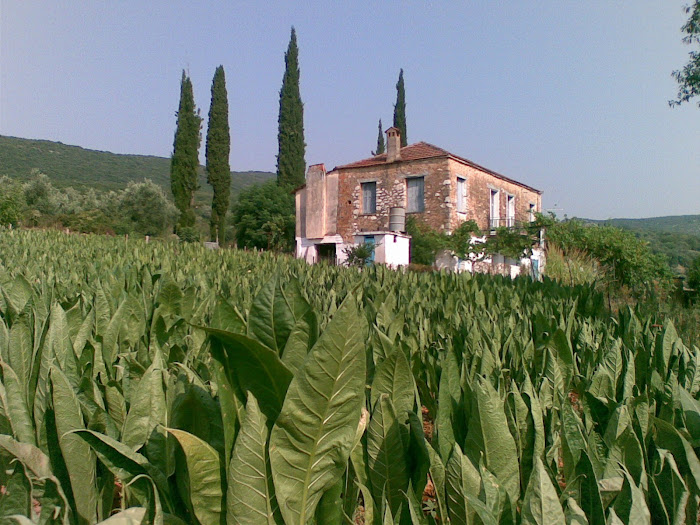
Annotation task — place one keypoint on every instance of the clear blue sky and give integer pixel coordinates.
(569, 97)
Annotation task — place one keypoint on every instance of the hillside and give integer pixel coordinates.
(80, 168)
(677, 237)
(682, 224)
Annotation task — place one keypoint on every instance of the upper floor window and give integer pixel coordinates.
(510, 211)
(494, 209)
(461, 195)
(415, 194)
(531, 212)
(369, 197)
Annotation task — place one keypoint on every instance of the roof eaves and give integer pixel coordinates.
(493, 173)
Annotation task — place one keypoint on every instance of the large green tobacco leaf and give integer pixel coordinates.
(250, 499)
(437, 475)
(193, 409)
(271, 316)
(148, 406)
(572, 439)
(123, 462)
(16, 405)
(20, 350)
(630, 504)
(393, 377)
(330, 506)
(668, 493)
(449, 395)
(16, 295)
(53, 347)
(463, 482)
(77, 455)
(127, 324)
(225, 317)
(203, 476)
(667, 437)
(489, 434)
(255, 368)
(589, 490)
(387, 454)
(312, 437)
(232, 409)
(54, 504)
(541, 504)
(270, 319)
(282, 320)
(16, 497)
(304, 332)
(30, 456)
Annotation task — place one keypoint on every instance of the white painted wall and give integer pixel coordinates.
(392, 249)
(396, 250)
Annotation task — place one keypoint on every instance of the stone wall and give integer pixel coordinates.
(391, 192)
(479, 185)
(440, 186)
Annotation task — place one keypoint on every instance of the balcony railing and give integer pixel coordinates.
(508, 222)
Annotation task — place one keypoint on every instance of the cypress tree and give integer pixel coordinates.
(185, 159)
(291, 166)
(400, 110)
(380, 140)
(218, 149)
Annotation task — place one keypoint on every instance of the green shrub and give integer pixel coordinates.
(189, 234)
(146, 209)
(425, 242)
(360, 255)
(11, 202)
(693, 274)
(264, 217)
(627, 260)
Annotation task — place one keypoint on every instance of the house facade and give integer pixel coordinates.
(365, 201)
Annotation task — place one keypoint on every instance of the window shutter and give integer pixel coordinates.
(369, 197)
(461, 195)
(415, 198)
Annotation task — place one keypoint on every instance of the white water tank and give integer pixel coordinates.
(397, 219)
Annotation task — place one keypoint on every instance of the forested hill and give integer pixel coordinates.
(677, 237)
(80, 168)
(683, 224)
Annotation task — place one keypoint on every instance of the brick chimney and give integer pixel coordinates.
(393, 144)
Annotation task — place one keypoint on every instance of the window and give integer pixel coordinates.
(369, 197)
(531, 214)
(495, 211)
(510, 211)
(461, 195)
(415, 195)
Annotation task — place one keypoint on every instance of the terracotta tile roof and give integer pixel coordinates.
(417, 151)
(423, 150)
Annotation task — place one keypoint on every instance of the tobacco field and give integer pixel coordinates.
(165, 383)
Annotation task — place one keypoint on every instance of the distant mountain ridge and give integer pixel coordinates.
(682, 224)
(80, 168)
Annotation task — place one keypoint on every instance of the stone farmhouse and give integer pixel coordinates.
(367, 200)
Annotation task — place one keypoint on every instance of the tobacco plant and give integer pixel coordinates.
(164, 383)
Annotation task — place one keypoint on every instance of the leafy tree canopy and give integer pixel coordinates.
(689, 77)
(264, 217)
